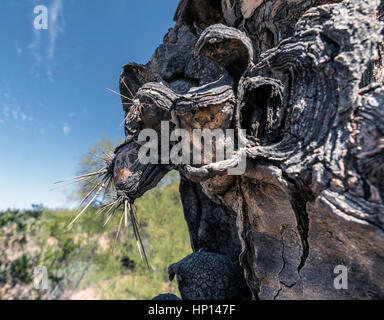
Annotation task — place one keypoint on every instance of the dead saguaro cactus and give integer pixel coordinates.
(303, 80)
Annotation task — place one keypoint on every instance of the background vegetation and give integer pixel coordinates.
(86, 262)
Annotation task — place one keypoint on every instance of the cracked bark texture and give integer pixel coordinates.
(304, 79)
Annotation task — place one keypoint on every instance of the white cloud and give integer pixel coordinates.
(17, 47)
(66, 129)
(54, 28)
(34, 46)
(6, 110)
(42, 49)
(15, 112)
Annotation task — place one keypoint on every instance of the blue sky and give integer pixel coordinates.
(53, 101)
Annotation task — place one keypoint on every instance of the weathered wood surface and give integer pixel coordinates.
(304, 78)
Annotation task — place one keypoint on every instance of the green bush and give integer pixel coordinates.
(87, 256)
(20, 270)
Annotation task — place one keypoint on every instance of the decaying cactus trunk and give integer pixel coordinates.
(304, 79)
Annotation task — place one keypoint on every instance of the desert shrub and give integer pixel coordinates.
(87, 257)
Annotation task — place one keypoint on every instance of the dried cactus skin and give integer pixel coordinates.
(303, 78)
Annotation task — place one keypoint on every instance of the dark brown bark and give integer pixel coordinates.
(299, 76)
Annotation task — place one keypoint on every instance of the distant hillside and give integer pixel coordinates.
(85, 262)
